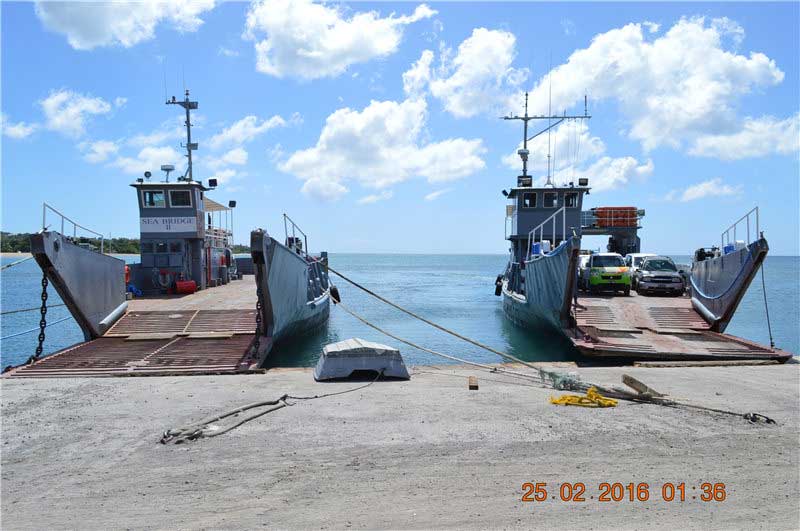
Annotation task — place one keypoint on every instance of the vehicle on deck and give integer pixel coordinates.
(634, 262)
(607, 271)
(659, 274)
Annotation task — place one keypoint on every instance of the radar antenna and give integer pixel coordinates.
(188, 105)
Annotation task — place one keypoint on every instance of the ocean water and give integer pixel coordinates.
(456, 291)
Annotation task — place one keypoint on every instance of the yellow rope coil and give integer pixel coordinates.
(592, 399)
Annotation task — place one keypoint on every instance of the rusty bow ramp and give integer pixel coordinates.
(656, 328)
(159, 343)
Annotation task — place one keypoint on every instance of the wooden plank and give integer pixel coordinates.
(639, 387)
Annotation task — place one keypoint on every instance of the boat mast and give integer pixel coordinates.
(188, 105)
(523, 153)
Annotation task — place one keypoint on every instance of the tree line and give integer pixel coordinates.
(21, 242)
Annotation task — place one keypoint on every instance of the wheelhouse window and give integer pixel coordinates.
(571, 199)
(550, 200)
(175, 247)
(529, 200)
(147, 247)
(161, 247)
(153, 199)
(180, 198)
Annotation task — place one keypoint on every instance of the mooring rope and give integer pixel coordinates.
(12, 264)
(558, 380)
(34, 329)
(30, 309)
(204, 428)
(766, 306)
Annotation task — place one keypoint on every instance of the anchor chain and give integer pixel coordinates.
(43, 320)
(259, 306)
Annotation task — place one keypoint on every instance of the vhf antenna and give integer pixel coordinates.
(190, 146)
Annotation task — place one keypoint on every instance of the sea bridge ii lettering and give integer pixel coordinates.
(169, 224)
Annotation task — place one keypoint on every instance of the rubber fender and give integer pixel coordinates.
(335, 294)
(498, 285)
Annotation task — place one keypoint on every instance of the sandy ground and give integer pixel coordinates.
(84, 453)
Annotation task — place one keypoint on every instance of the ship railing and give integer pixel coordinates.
(725, 237)
(75, 225)
(287, 222)
(552, 220)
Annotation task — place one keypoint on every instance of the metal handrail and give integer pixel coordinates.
(540, 228)
(296, 228)
(746, 218)
(75, 225)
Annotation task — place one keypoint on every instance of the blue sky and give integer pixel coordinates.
(375, 125)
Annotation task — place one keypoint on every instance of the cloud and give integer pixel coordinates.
(235, 157)
(17, 130)
(245, 130)
(480, 76)
(757, 138)
(374, 198)
(169, 130)
(227, 52)
(323, 189)
(671, 88)
(417, 77)
(380, 146)
(66, 111)
(568, 26)
(433, 196)
(298, 38)
(88, 25)
(608, 173)
(224, 176)
(119, 101)
(98, 151)
(710, 188)
(148, 159)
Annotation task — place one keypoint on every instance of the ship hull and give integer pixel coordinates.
(718, 284)
(295, 290)
(540, 294)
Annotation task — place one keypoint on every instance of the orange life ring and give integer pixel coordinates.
(127, 274)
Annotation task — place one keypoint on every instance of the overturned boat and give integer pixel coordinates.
(292, 286)
(721, 275)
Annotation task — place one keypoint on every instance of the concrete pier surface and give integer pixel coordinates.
(426, 453)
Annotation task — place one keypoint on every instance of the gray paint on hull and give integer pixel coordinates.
(549, 283)
(283, 276)
(718, 284)
(92, 285)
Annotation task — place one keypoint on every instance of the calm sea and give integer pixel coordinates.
(456, 291)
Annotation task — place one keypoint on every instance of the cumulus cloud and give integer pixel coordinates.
(148, 159)
(677, 86)
(298, 38)
(98, 151)
(374, 198)
(89, 25)
(224, 176)
(433, 196)
(169, 130)
(608, 173)
(380, 146)
(710, 188)
(66, 111)
(245, 130)
(416, 79)
(236, 157)
(480, 76)
(758, 137)
(17, 130)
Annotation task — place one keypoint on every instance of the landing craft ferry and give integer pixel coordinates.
(191, 306)
(541, 277)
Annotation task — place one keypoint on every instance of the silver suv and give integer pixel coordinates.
(658, 274)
